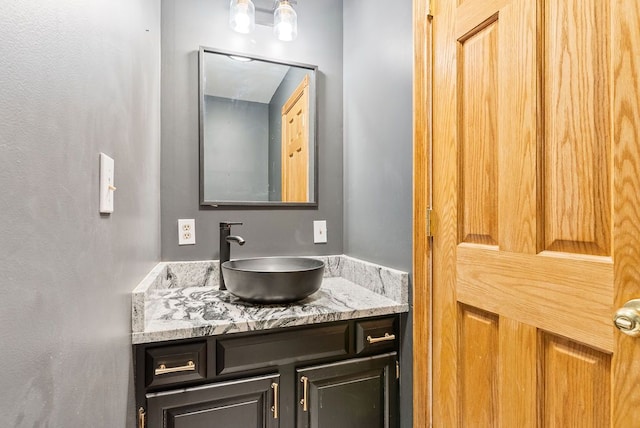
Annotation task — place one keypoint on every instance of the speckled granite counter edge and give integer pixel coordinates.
(387, 282)
(212, 329)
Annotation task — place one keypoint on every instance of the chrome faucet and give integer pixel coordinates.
(225, 245)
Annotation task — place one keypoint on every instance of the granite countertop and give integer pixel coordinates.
(178, 300)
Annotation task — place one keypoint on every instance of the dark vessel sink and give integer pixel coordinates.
(273, 279)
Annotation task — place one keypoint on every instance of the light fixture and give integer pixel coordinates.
(242, 16)
(285, 21)
(240, 58)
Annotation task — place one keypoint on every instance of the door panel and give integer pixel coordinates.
(246, 403)
(479, 366)
(574, 383)
(536, 196)
(477, 103)
(357, 393)
(577, 130)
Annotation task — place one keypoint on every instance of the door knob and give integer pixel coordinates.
(627, 318)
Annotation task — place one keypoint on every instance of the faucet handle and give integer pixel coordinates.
(228, 224)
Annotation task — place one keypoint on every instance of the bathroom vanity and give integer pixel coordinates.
(204, 358)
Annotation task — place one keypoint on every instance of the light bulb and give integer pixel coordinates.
(285, 22)
(242, 16)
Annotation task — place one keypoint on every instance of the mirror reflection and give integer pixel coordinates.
(257, 131)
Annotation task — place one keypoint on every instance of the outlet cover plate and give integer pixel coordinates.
(186, 231)
(107, 187)
(320, 232)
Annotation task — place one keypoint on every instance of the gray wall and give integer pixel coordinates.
(188, 24)
(378, 123)
(237, 135)
(76, 78)
(378, 67)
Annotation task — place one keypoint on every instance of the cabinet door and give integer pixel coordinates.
(358, 393)
(241, 403)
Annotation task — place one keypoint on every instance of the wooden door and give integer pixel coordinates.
(536, 212)
(358, 393)
(295, 145)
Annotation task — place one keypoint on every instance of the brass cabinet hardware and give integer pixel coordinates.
(397, 369)
(305, 391)
(384, 338)
(162, 369)
(429, 226)
(142, 418)
(274, 408)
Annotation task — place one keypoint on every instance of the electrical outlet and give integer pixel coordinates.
(320, 232)
(186, 231)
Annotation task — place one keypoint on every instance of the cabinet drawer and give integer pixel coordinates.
(272, 349)
(174, 364)
(376, 335)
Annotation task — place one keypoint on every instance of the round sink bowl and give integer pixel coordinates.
(273, 279)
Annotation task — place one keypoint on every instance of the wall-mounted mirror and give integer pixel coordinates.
(257, 131)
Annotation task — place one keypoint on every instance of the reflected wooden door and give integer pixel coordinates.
(295, 145)
(536, 212)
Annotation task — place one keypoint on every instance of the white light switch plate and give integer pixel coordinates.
(186, 231)
(107, 187)
(320, 232)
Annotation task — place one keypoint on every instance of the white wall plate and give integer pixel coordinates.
(107, 187)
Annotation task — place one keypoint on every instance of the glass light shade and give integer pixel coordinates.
(285, 22)
(242, 16)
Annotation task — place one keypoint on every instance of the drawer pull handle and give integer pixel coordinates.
(385, 338)
(274, 409)
(305, 391)
(162, 369)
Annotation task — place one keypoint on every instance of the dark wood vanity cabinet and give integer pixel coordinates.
(339, 374)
